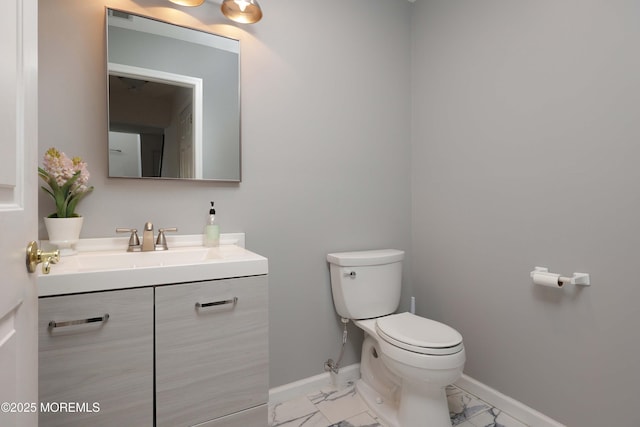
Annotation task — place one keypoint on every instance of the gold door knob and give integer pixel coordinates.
(36, 256)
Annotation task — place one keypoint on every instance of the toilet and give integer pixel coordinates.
(407, 360)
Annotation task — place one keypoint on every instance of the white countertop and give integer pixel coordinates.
(104, 264)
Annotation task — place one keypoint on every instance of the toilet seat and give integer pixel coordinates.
(418, 334)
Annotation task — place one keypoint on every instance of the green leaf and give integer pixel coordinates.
(74, 201)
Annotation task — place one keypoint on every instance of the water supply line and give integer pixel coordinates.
(330, 365)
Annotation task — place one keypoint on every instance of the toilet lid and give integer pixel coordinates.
(418, 334)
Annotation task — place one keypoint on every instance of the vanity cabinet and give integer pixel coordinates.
(212, 352)
(88, 359)
(167, 356)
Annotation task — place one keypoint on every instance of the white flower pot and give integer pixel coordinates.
(64, 233)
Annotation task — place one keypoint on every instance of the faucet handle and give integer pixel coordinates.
(161, 242)
(134, 241)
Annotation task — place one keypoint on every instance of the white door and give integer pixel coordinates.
(185, 142)
(18, 211)
(124, 154)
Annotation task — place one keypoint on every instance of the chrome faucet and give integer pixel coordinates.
(147, 238)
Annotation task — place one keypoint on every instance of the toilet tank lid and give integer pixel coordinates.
(360, 258)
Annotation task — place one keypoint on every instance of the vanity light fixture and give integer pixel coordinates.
(187, 2)
(242, 11)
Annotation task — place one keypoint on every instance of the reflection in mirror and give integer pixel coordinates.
(174, 101)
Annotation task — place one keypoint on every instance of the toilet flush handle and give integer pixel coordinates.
(351, 274)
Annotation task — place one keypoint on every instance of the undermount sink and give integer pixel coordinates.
(186, 260)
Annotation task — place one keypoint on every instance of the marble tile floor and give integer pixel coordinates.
(330, 407)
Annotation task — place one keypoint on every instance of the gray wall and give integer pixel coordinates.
(325, 153)
(525, 153)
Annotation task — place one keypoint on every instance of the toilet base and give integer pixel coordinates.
(396, 401)
(414, 410)
(385, 409)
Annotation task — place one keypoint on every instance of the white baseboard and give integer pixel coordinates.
(516, 409)
(349, 373)
(308, 385)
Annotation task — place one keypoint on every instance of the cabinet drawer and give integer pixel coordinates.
(211, 360)
(108, 362)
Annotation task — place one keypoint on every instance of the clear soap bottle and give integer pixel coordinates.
(211, 230)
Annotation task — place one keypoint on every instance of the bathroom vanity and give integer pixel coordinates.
(165, 339)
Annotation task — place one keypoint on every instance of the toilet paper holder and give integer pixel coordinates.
(581, 279)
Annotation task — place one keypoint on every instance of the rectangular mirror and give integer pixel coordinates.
(173, 101)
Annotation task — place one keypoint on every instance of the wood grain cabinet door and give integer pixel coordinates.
(211, 350)
(97, 349)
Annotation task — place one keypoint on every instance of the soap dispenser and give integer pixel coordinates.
(211, 230)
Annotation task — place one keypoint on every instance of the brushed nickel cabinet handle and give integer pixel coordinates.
(233, 301)
(54, 324)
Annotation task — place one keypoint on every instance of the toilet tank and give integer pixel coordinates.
(366, 284)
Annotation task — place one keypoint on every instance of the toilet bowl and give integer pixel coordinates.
(407, 360)
(406, 385)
